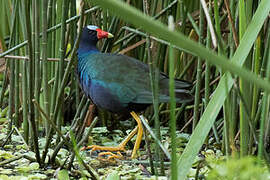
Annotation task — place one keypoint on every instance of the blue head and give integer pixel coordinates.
(89, 38)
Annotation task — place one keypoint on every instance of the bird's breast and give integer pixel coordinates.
(85, 82)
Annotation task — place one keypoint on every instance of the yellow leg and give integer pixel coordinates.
(139, 134)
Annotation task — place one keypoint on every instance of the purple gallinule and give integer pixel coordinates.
(120, 84)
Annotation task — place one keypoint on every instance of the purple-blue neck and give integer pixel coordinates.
(87, 47)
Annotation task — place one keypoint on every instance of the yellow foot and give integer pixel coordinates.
(104, 148)
(111, 156)
(108, 152)
(121, 147)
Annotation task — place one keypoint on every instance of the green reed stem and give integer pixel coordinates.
(30, 81)
(45, 73)
(172, 106)
(36, 25)
(265, 100)
(199, 74)
(11, 66)
(244, 87)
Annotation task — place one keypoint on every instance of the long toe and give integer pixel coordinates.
(110, 156)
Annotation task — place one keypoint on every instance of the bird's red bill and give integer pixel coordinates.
(101, 34)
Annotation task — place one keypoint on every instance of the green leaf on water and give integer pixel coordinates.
(63, 175)
(113, 176)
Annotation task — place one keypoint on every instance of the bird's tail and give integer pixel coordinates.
(182, 91)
